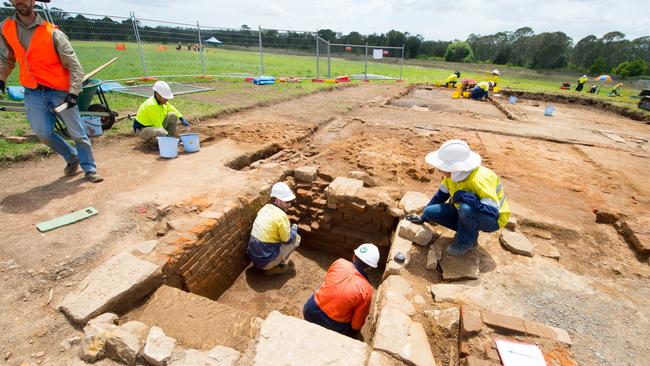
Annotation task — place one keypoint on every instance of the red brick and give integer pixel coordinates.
(503, 321)
(470, 321)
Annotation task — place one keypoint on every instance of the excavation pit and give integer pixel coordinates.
(333, 219)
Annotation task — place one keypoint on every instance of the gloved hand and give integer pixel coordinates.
(185, 122)
(2, 86)
(414, 219)
(294, 227)
(71, 99)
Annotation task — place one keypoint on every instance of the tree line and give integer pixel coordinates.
(611, 53)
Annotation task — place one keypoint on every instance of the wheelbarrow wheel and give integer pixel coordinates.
(108, 121)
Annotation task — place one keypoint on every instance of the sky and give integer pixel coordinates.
(434, 19)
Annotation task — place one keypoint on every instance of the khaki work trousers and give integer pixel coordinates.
(149, 134)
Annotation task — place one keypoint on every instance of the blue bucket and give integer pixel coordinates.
(548, 111)
(512, 99)
(190, 142)
(168, 146)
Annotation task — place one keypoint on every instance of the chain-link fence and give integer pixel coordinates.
(155, 48)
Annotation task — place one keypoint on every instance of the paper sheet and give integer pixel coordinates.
(519, 354)
(377, 54)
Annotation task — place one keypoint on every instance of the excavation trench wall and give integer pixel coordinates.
(208, 254)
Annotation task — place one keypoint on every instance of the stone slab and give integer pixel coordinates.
(460, 268)
(382, 359)
(285, 340)
(443, 292)
(545, 331)
(446, 319)
(306, 174)
(115, 285)
(125, 342)
(502, 321)
(212, 323)
(547, 249)
(432, 259)
(146, 247)
(516, 243)
(399, 245)
(414, 202)
(512, 224)
(397, 335)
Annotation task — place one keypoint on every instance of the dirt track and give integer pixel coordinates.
(556, 171)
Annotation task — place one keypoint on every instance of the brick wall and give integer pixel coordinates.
(207, 258)
(340, 215)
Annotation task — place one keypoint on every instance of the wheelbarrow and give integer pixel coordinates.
(90, 88)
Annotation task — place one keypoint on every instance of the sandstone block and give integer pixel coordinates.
(413, 202)
(545, 331)
(516, 243)
(382, 359)
(146, 247)
(512, 223)
(397, 335)
(446, 292)
(458, 268)
(407, 229)
(96, 333)
(503, 321)
(286, 340)
(115, 285)
(424, 236)
(399, 245)
(218, 356)
(475, 361)
(432, 259)
(306, 174)
(126, 341)
(446, 319)
(159, 348)
(547, 249)
(362, 176)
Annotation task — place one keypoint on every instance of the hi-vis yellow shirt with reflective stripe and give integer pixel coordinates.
(495, 79)
(583, 80)
(487, 186)
(152, 114)
(484, 85)
(451, 78)
(271, 225)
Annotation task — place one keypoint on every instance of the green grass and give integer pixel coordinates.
(235, 93)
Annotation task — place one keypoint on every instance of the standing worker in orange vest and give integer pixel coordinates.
(51, 75)
(342, 302)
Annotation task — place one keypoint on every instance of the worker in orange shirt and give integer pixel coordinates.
(342, 302)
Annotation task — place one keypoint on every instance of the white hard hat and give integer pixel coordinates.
(454, 156)
(368, 254)
(496, 72)
(282, 192)
(163, 89)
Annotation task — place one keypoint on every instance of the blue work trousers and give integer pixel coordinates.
(465, 220)
(39, 108)
(478, 93)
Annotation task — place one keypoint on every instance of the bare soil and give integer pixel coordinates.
(556, 172)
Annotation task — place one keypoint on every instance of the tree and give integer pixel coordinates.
(599, 66)
(460, 52)
(636, 67)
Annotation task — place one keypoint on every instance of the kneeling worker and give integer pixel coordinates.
(272, 238)
(342, 302)
(156, 116)
(480, 91)
(477, 203)
(452, 80)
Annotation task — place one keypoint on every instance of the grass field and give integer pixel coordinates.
(235, 93)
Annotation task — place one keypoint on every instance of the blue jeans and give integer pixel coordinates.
(465, 220)
(478, 93)
(39, 107)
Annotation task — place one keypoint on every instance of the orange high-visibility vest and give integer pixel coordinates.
(40, 64)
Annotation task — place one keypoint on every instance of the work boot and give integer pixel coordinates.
(93, 177)
(279, 269)
(458, 250)
(71, 168)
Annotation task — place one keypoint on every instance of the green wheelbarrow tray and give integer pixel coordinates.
(88, 91)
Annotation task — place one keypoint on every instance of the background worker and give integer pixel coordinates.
(616, 90)
(156, 116)
(272, 238)
(51, 75)
(581, 83)
(496, 75)
(452, 80)
(477, 203)
(342, 302)
(480, 91)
